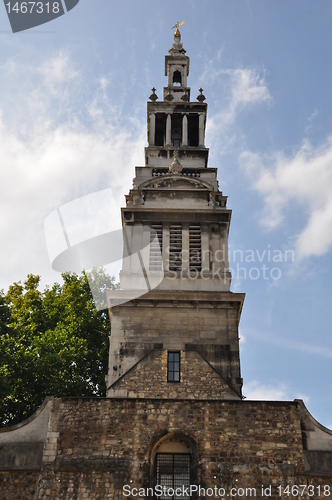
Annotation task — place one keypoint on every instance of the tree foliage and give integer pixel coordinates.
(52, 342)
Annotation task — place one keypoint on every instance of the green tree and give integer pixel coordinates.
(53, 342)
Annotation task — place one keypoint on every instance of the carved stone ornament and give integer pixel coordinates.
(169, 97)
(185, 96)
(153, 97)
(178, 183)
(201, 97)
(212, 201)
(138, 198)
(175, 167)
(129, 216)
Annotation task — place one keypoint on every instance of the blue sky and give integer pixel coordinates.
(73, 121)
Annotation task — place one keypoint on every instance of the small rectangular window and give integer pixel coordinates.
(173, 367)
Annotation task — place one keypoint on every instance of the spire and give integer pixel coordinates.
(176, 125)
(177, 47)
(177, 70)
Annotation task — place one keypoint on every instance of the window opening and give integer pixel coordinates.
(177, 80)
(160, 133)
(195, 248)
(156, 247)
(175, 250)
(173, 367)
(176, 130)
(173, 471)
(193, 126)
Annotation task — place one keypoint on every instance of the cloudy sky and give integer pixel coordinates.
(73, 123)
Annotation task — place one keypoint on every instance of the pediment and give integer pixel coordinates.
(175, 182)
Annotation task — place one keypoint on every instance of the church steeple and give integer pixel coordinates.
(176, 122)
(174, 301)
(177, 70)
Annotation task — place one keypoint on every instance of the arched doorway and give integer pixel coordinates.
(173, 463)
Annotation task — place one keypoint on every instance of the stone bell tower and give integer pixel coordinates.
(173, 424)
(174, 319)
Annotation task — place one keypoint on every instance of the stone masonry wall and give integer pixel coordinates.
(103, 444)
(175, 324)
(106, 443)
(149, 322)
(198, 380)
(18, 485)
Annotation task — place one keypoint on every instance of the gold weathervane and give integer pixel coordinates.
(177, 32)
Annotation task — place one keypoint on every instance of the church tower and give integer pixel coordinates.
(174, 319)
(174, 424)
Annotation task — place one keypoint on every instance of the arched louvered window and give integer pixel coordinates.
(195, 248)
(175, 249)
(156, 248)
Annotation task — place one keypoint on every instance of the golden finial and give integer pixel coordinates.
(177, 32)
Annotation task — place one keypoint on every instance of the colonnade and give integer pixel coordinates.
(168, 135)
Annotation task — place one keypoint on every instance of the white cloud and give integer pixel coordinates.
(305, 177)
(56, 71)
(278, 391)
(244, 88)
(256, 390)
(312, 118)
(50, 156)
(304, 398)
(248, 89)
(287, 343)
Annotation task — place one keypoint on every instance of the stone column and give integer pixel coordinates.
(127, 231)
(201, 129)
(168, 130)
(145, 252)
(137, 244)
(166, 242)
(224, 247)
(169, 76)
(152, 133)
(184, 130)
(217, 257)
(185, 247)
(205, 245)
